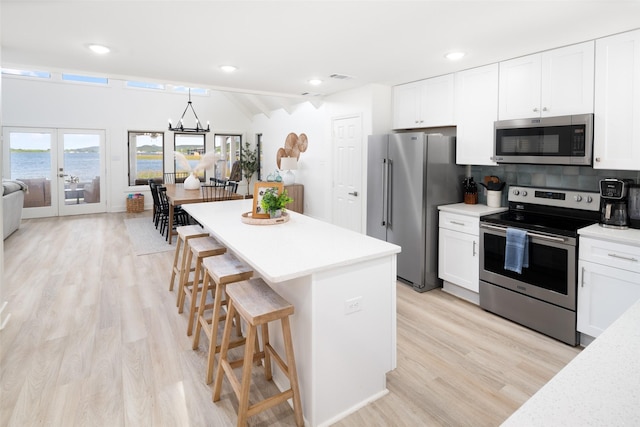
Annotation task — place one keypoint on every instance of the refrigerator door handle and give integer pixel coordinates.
(389, 192)
(384, 192)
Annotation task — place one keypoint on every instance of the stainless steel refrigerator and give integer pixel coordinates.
(408, 176)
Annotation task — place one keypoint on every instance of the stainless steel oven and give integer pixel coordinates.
(543, 296)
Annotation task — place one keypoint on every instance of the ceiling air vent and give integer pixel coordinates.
(340, 76)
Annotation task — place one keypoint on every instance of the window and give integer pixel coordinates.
(26, 73)
(84, 79)
(146, 157)
(192, 146)
(227, 147)
(194, 90)
(145, 85)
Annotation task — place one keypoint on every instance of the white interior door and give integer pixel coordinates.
(63, 169)
(347, 188)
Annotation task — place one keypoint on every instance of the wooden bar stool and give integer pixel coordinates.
(185, 233)
(258, 305)
(219, 271)
(200, 248)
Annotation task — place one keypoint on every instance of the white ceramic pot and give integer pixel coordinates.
(192, 182)
(494, 198)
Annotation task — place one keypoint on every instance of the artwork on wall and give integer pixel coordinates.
(293, 146)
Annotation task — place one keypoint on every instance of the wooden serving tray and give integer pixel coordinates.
(248, 219)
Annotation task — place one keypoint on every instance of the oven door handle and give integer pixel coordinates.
(536, 235)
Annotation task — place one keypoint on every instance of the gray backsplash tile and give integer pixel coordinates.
(569, 177)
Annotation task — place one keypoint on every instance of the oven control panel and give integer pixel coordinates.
(571, 199)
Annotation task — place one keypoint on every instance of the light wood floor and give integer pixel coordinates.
(95, 339)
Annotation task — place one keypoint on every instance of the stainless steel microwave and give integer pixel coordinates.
(562, 140)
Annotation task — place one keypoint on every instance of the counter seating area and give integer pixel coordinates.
(236, 301)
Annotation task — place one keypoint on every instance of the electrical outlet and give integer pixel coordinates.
(352, 305)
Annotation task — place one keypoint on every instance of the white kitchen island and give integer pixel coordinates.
(342, 285)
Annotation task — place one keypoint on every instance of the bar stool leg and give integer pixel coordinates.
(175, 264)
(201, 308)
(183, 282)
(224, 348)
(293, 372)
(194, 295)
(243, 406)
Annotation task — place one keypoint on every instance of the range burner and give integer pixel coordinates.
(548, 210)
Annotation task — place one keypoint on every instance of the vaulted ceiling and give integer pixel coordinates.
(278, 46)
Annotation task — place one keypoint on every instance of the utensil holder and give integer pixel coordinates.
(494, 198)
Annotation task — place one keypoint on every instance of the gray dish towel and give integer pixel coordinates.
(516, 252)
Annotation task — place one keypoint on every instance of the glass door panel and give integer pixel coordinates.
(63, 170)
(28, 157)
(80, 177)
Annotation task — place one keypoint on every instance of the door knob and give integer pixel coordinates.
(355, 194)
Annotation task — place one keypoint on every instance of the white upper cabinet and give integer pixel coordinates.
(553, 83)
(616, 142)
(476, 104)
(426, 103)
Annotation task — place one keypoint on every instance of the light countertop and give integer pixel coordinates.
(476, 210)
(296, 248)
(597, 388)
(629, 236)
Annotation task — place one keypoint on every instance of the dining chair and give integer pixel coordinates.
(231, 186)
(175, 177)
(214, 192)
(156, 201)
(180, 217)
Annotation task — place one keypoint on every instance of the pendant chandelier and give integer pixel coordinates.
(180, 127)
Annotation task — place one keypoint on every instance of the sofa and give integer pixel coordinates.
(13, 193)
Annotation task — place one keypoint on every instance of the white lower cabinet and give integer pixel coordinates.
(458, 250)
(608, 283)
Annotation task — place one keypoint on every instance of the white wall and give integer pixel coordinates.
(30, 102)
(372, 103)
(42, 103)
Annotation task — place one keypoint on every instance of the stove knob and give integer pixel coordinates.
(524, 193)
(516, 192)
(589, 199)
(578, 198)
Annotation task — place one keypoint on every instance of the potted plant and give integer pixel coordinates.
(248, 164)
(275, 203)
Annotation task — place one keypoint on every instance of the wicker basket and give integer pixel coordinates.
(135, 204)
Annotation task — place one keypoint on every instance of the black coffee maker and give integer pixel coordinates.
(613, 203)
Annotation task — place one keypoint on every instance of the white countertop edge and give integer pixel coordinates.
(630, 236)
(476, 210)
(227, 214)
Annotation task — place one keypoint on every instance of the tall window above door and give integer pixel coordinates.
(146, 156)
(193, 147)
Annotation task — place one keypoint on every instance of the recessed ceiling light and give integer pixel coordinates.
(100, 49)
(453, 56)
(228, 68)
(315, 82)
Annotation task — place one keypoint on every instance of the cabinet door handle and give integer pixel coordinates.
(627, 258)
(474, 248)
(457, 223)
(582, 277)
(535, 109)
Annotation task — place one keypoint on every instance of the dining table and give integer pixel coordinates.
(178, 195)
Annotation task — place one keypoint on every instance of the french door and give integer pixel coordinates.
(63, 168)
